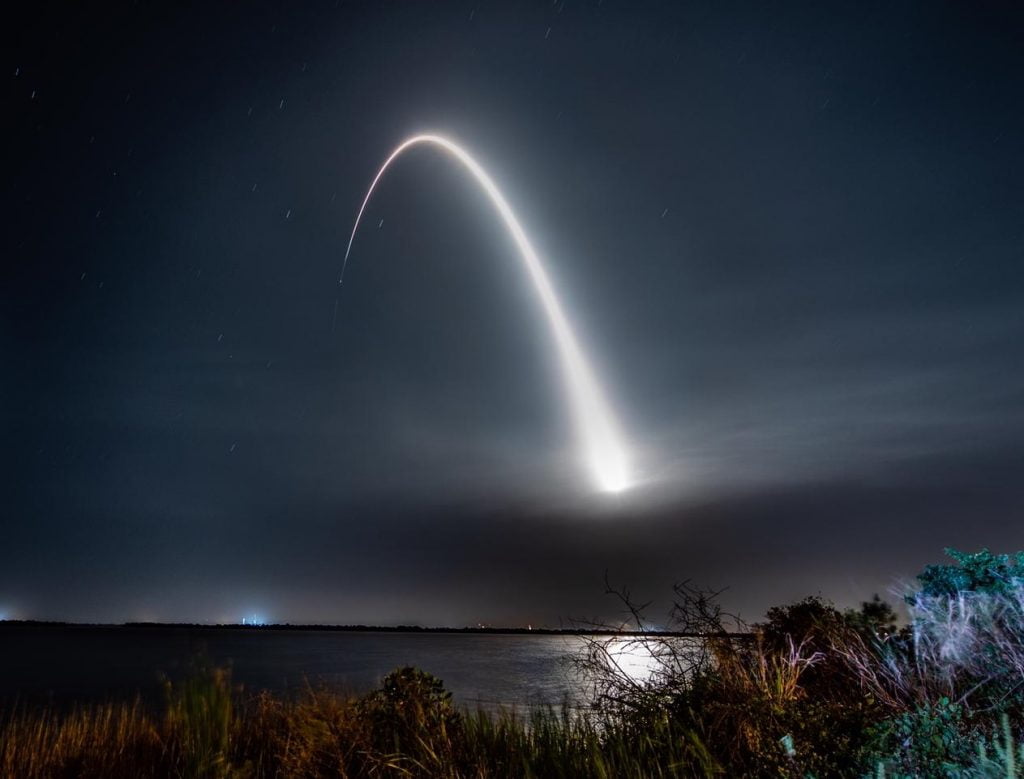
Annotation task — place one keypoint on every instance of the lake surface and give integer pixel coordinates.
(67, 664)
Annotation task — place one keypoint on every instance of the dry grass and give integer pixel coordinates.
(207, 729)
(813, 691)
(109, 740)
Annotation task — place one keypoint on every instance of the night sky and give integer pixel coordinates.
(791, 239)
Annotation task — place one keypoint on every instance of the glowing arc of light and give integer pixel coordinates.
(594, 421)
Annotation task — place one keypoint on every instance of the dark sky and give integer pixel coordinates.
(791, 238)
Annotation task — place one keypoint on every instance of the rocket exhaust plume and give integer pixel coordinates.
(595, 424)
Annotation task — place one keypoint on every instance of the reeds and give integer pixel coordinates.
(208, 729)
(117, 739)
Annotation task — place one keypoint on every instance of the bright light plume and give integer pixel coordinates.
(594, 421)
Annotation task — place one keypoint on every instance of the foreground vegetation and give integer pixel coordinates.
(812, 691)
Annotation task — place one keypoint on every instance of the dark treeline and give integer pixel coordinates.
(504, 631)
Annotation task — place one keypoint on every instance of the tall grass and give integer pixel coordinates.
(811, 692)
(109, 740)
(408, 728)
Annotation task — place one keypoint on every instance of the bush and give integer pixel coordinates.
(981, 572)
(926, 741)
(960, 668)
(968, 643)
(412, 718)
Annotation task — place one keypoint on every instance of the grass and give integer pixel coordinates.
(208, 729)
(811, 692)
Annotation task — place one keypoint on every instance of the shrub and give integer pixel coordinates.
(959, 670)
(412, 718)
(926, 741)
(968, 643)
(981, 572)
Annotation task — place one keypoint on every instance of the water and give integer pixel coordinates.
(66, 664)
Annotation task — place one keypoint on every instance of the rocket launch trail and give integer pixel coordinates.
(596, 426)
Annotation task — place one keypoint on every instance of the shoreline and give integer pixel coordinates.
(405, 629)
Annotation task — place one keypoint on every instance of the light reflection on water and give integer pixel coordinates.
(638, 659)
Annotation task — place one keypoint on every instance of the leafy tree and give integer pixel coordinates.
(875, 618)
(997, 574)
